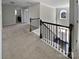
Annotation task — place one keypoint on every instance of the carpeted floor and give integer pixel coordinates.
(19, 43)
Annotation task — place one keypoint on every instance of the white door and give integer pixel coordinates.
(26, 16)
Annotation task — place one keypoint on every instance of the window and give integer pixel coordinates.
(63, 14)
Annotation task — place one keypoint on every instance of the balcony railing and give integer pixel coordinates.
(33, 22)
(57, 36)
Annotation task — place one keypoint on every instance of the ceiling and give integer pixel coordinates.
(26, 3)
(55, 3)
(20, 3)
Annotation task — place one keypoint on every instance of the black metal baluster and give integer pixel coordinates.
(56, 36)
(51, 35)
(62, 40)
(59, 37)
(30, 24)
(40, 28)
(70, 41)
(43, 32)
(66, 41)
(47, 34)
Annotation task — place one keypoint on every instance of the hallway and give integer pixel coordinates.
(19, 43)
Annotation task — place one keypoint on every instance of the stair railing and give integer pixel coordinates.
(57, 36)
(33, 19)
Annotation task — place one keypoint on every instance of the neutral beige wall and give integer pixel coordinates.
(43, 12)
(78, 40)
(47, 14)
(0, 30)
(34, 12)
(8, 14)
(78, 30)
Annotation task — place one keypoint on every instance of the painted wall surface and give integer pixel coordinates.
(0, 29)
(62, 21)
(22, 15)
(47, 14)
(78, 30)
(34, 12)
(8, 14)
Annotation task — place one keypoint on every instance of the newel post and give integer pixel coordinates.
(70, 41)
(40, 28)
(30, 25)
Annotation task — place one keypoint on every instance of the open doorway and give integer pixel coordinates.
(18, 16)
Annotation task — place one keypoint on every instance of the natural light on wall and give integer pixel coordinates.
(15, 12)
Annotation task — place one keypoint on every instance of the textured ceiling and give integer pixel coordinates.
(23, 3)
(20, 3)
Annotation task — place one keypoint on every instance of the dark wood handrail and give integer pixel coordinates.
(55, 24)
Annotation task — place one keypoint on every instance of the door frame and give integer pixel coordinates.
(73, 16)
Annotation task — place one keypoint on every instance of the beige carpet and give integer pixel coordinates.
(19, 43)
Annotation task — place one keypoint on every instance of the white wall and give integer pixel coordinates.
(78, 39)
(51, 14)
(34, 12)
(0, 30)
(8, 14)
(47, 14)
(43, 12)
(78, 31)
(22, 15)
(73, 19)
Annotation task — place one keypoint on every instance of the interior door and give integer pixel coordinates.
(26, 16)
